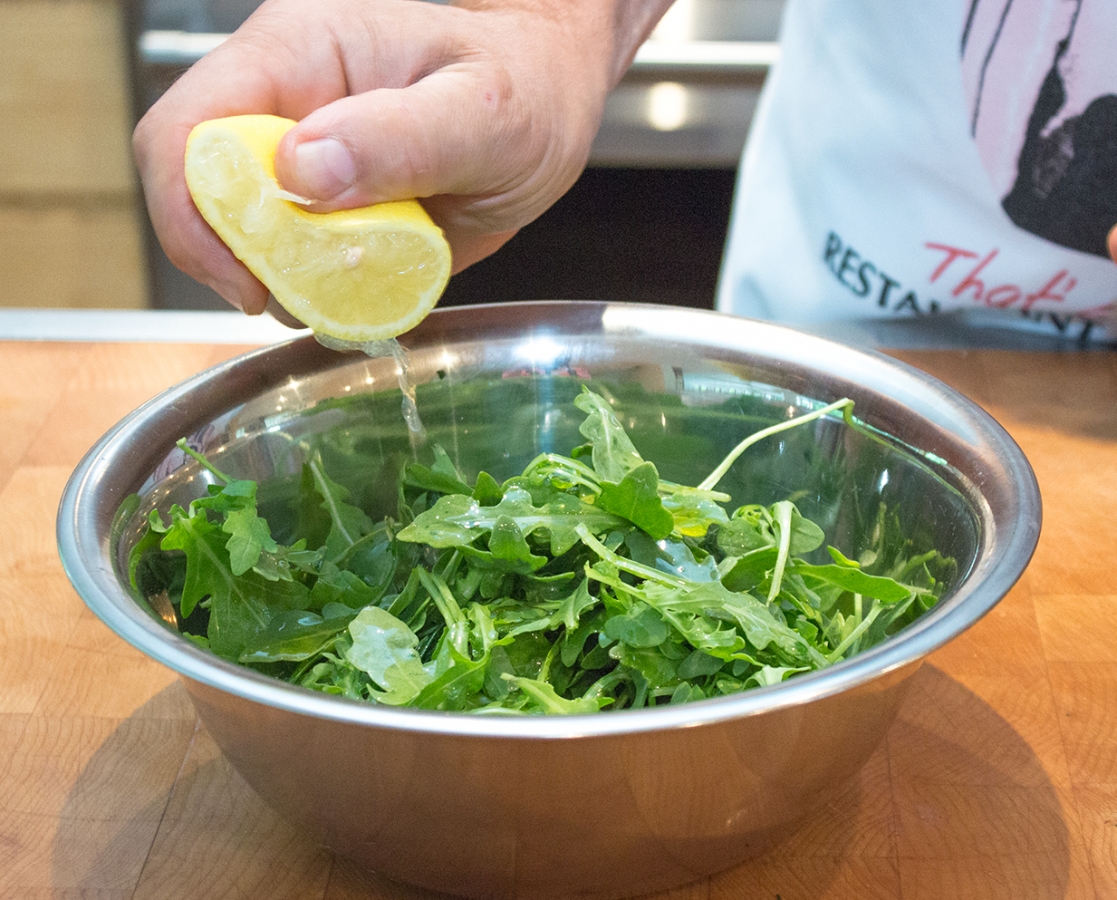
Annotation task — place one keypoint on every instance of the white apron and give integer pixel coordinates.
(946, 160)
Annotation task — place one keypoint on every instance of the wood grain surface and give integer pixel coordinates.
(998, 780)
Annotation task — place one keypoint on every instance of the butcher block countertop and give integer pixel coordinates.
(998, 779)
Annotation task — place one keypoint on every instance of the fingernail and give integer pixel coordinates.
(324, 168)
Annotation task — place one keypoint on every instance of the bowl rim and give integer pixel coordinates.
(86, 554)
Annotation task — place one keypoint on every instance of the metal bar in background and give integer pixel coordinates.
(176, 48)
(723, 59)
(655, 59)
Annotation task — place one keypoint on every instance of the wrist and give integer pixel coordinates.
(608, 32)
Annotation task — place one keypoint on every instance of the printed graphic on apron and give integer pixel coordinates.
(1042, 89)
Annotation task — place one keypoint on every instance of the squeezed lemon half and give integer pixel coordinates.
(356, 275)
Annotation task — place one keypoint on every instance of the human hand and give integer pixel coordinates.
(1111, 243)
(484, 110)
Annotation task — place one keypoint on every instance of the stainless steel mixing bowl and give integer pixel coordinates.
(598, 806)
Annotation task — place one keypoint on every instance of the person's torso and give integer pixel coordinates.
(914, 158)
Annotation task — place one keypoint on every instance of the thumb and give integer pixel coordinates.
(441, 135)
(369, 148)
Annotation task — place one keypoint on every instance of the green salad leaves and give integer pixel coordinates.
(585, 583)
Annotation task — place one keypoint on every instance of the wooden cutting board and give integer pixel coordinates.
(998, 780)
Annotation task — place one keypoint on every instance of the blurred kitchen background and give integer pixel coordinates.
(646, 222)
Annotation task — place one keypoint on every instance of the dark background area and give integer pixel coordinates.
(634, 235)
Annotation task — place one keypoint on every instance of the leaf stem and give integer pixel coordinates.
(627, 565)
(201, 460)
(670, 488)
(836, 653)
(783, 520)
(329, 502)
(545, 669)
(845, 404)
(441, 595)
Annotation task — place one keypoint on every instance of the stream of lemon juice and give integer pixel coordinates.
(393, 348)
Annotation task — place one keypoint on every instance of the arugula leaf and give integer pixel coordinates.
(852, 579)
(639, 626)
(768, 675)
(341, 586)
(509, 548)
(636, 498)
(570, 610)
(694, 512)
(486, 490)
(293, 636)
(755, 527)
(207, 567)
(442, 477)
(348, 523)
(749, 572)
(385, 649)
(613, 455)
(547, 699)
(456, 688)
(759, 625)
(457, 520)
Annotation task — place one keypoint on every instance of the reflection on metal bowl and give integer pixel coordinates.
(598, 806)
